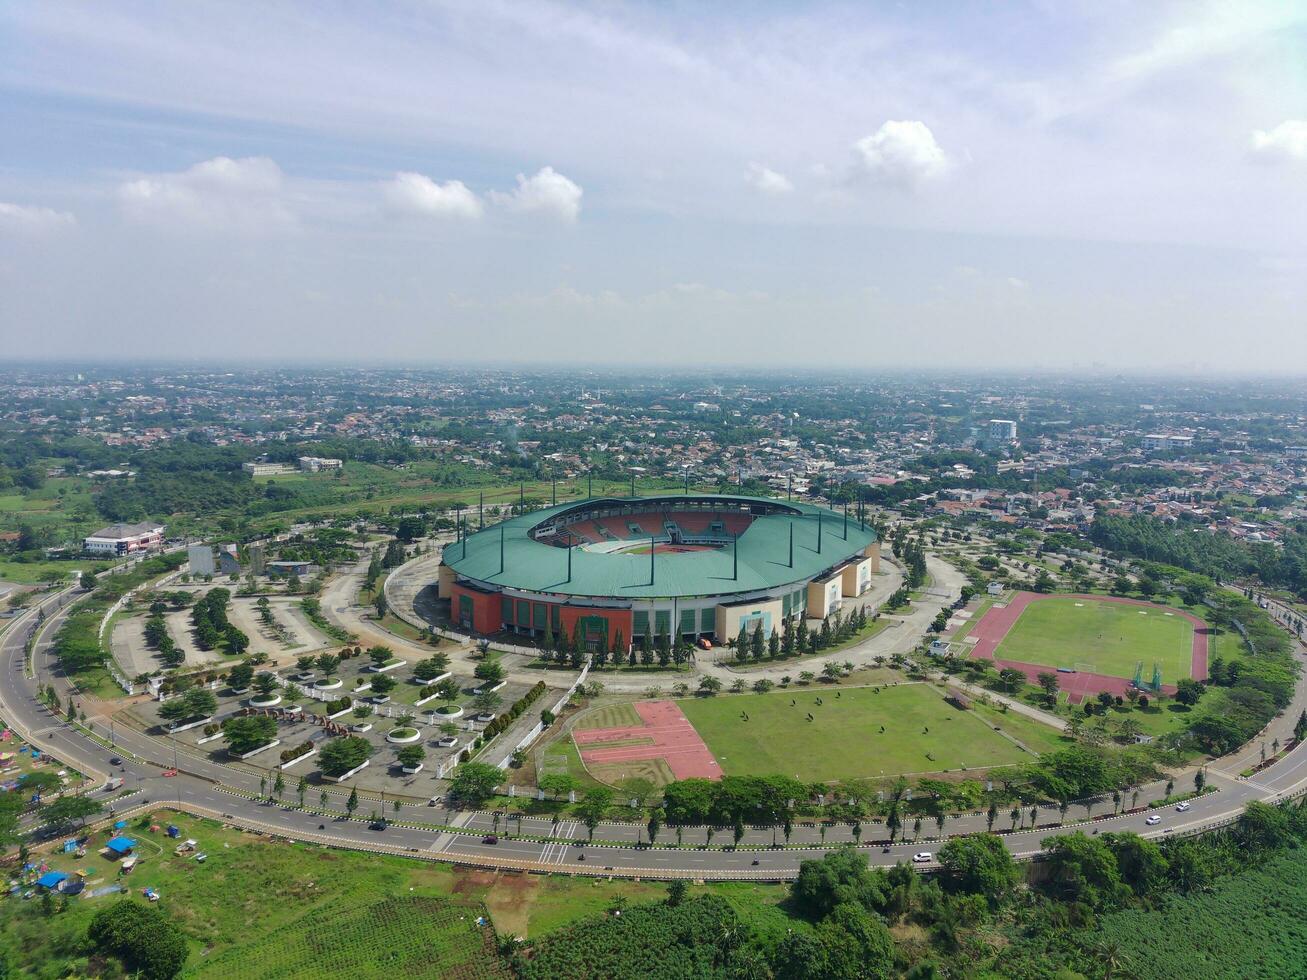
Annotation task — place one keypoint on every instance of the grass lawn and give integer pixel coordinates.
(922, 733)
(262, 908)
(1109, 637)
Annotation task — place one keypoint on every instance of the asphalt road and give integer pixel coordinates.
(213, 789)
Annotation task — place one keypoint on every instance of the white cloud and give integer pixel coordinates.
(31, 218)
(221, 193)
(902, 152)
(767, 180)
(414, 193)
(1287, 141)
(548, 192)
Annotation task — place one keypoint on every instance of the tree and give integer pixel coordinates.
(411, 756)
(431, 668)
(352, 803)
(840, 876)
(247, 734)
(1188, 690)
(142, 936)
(239, 677)
(198, 702)
(327, 663)
(490, 672)
(383, 684)
(486, 702)
(266, 684)
(655, 824)
(279, 785)
(557, 783)
(709, 685)
(1081, 869)
(1140, 862)
(1048, 682)
(380, 656)
(474, 782)
(341, 755)
(593, 807)
(979, 864)
(1011, 678)
(68, 811)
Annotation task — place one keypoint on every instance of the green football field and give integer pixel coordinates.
(844, 740)
(1103, 637)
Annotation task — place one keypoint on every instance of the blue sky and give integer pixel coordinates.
(1049, 185)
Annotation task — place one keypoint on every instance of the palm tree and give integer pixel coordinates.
(279, 786)
(1113, 959)
(352, 803)
(324, 799)
(301, 789)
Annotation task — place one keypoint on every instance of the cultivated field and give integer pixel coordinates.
(857, 731)
(1101, 636)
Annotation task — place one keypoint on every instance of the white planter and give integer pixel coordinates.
(404, 739)
(265, 702)
(491, 690)
(434, 680)
(362, 727)
(365, 686)
(298, 759)
(411, 772)
(388, 666)
(353, 772)
(332, 685)
(208, 738)
(421, 701)
(450, 715)
(342, 711)
(186, 727)
(262, 748)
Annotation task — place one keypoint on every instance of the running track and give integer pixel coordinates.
(674, 739)
(996, 624)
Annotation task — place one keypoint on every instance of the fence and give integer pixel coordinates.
(539, 727)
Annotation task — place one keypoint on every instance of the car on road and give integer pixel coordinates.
(921, 857)
(377, 825)
(490, 839)
(115, 761)
(1153, 821)
(1181, 807)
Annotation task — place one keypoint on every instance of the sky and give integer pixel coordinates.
(1099, 185)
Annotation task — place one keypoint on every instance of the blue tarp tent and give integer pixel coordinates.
(51, 879)
(121, 845)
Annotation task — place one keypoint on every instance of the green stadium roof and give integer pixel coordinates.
(764, 548)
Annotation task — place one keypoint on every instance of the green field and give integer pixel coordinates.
(258, 907)
(1103, 637)
(923, 733)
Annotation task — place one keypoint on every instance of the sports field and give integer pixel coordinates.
(1101, 637)
(854, 732)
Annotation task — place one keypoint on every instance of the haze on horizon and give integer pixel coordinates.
(747, 185)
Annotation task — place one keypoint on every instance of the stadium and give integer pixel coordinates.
(611, 570)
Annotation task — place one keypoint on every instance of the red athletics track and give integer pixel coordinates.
(997, 623)
(674, 739)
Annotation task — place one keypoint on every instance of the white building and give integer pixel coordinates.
(124, 539)
(263, 468)
(1160, 442)
(315, 464)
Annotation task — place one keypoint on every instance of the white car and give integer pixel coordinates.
(1181, 807)
(921, 857)
(1153, 820)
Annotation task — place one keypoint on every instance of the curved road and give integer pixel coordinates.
(220, 791)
